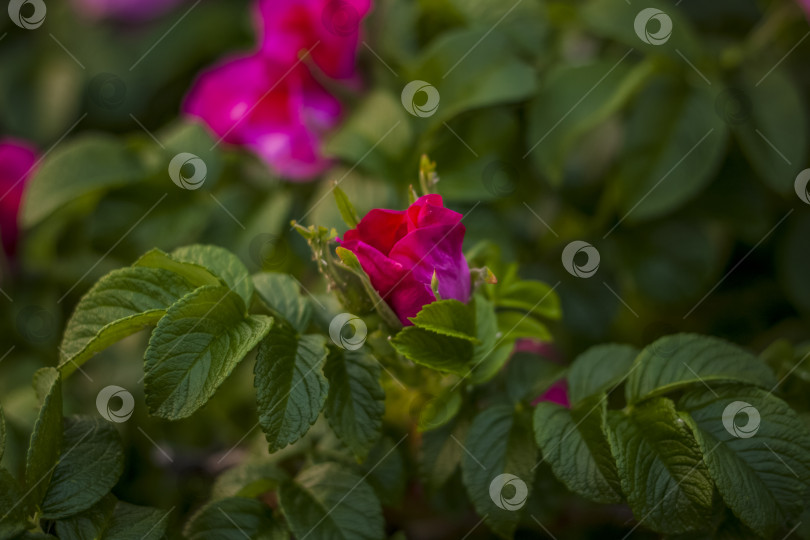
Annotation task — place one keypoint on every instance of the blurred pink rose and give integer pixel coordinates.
(556, 393)
(124, 10)
(401, 249)
(17, 160)
(269, 101)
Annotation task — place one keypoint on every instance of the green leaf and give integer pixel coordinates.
(499, 76)
(195, 274)
(491, 354)
(616, 21)
(499, 442)
(661, 467)
(760, 463)
(12, 519)
(599, 369)
(336, 502)
(528, 376)
(290, 386)
(440, 452)
(91, 462)
(449, 318)
(121, 303)
(773, 133)
(439, 410)
(90, 523)
(659, 174)
(234, 518)
(534, 297)
(347, 211)
(93, 163)
(220, 262)
(436, 351)
(46, 439)
(385, 471)
(573, 101)
(282, 294)
(131, 522)
(249, 479)
(514, 325)
(356, 401)
(575, 445)
(673, 362)
(194, 348)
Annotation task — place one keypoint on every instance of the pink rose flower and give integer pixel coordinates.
(269, 101)
(17, 160)
(401, 249)
(805, 5)
(249, 102)
(556, 393)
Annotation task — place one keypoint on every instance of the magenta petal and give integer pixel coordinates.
(438, 249)
(17, 161)
(556, 393)
(396, 285)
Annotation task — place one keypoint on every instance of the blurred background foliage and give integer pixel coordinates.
(556, 123)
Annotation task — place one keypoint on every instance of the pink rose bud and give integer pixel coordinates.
(401, 250)
(17, 160)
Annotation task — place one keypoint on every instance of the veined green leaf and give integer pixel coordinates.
(131, 522)
(220, 262)
(515, 325)
(534, 297)
(448, 317)
(282, 294)
(436, 351)
(599, 369)
(355, 404)
(234, 518)
(673, 362)
(290, 386)
(194, 348)
(90, 523)
(661, 467)
(335, 502)
(121, 303)
(757, 450)
(439, 410)
(500, 453)
(574, 443)
(249, 479)
(46, 439)
(385, 470)
(12, 517)
(440, 453)
(195, 274)
(92, 460)
(493, 351)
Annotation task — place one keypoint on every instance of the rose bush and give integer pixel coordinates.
(402, 250)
